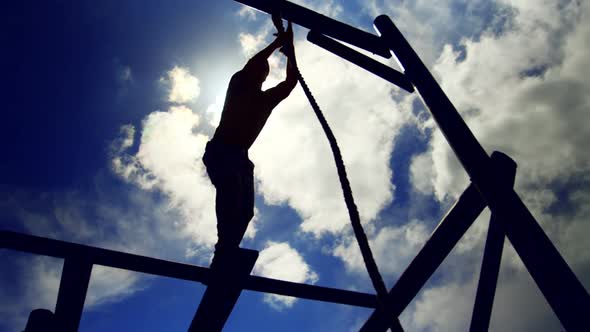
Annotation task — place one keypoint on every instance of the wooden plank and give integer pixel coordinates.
(314, 21)
(387, 73)
(99, 256)
(435, 250)
(72, 293)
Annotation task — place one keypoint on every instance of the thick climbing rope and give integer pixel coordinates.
(353, 213)
(359, 233)
(355, 219)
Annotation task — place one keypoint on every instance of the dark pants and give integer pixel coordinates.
(232, 174)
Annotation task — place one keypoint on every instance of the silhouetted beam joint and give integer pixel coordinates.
(387, 73)
(492, 257)
(314, 21)
(439, 245)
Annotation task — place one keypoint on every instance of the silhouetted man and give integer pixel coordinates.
(245, 112)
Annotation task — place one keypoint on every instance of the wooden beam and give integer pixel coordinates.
(314, 21)
(61, 249)
(492, 257)
(387, 73)
(435, 250)
(73, 286)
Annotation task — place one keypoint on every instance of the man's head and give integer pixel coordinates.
(258, 70)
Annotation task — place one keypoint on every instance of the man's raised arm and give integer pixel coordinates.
(282, 90)
(267, 51)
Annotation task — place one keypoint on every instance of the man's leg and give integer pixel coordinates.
(235, 206)
(234, 200)
(246, 207)
(227, 202)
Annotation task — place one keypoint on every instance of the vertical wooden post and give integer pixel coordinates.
(230, 270)
(72, 293)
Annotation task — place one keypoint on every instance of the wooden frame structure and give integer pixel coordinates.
(78, 259)
(492, 180)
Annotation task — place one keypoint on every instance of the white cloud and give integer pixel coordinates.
(169, 160)
(250, 43)
(108, 285)
(393, 248)
(214, 110)
(535, 119)
(329, 8)
(421, 173)
(278, 260)
(444, 308)
(183, 87)
(248, 13)
(428, 26)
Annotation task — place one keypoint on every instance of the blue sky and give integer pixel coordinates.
(107, 107)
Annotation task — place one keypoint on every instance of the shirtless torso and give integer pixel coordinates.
(247, 107)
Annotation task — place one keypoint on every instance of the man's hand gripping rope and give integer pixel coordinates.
(285, 37)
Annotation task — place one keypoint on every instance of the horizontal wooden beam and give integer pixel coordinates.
(314, 21)
(61, 249)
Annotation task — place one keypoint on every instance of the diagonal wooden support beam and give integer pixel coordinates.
(387, 73)
(230, 270)
(314, 21)
(435, 250)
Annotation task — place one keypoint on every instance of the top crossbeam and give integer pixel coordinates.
(322, 24)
